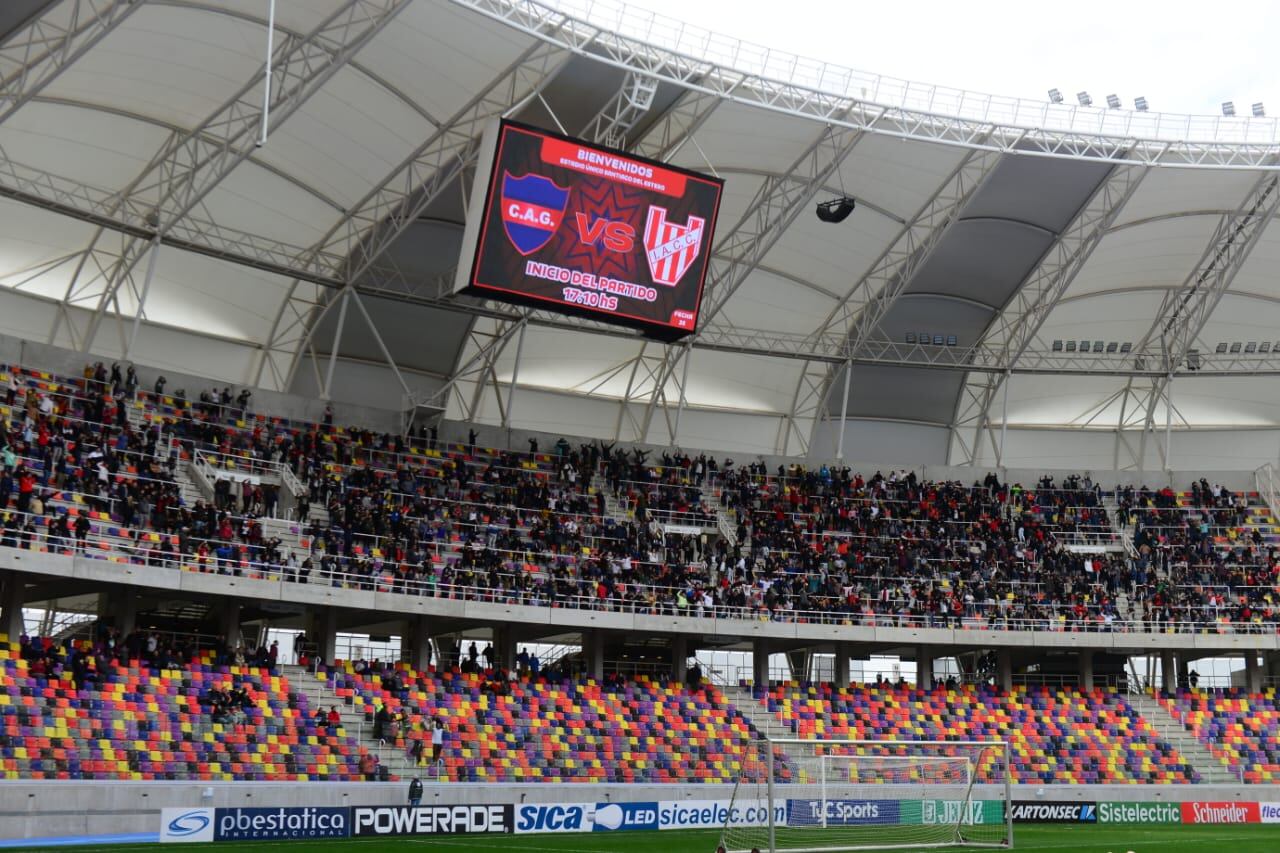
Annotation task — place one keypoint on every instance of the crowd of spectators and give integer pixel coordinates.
(403, 513)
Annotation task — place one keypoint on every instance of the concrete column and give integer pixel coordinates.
(1168, 674)
(1184, 670)
(593, 653)
(1271, 661)
(229, 622)
(417, 638)
(1252, 672)
(117, 608)
(760, 664)
(326, 634)
(504, 646)
(1085, 660)
(11, 622)
(842, 664)
(1004, 669)
(680, 658)
(924, 668)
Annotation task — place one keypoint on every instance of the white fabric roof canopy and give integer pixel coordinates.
(167, 67)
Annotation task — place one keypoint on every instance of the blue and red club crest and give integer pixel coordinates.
(532, 210)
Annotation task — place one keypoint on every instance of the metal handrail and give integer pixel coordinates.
(984, 616)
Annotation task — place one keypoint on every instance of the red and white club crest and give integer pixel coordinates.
(671, 249)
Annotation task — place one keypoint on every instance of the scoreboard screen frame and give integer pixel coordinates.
(490, 238)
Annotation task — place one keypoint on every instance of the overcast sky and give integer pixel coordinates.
(1184, 57)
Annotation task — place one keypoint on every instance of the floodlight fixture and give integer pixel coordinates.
(1251, 347)
(1235, 347)
(1057, 345)
(1221, 348)
(1055, 96)
(1113, 101)
(1140, 104)
(836, 209)
(1228, 108)
(1084, 99)
(911, 337)
(1258, 111)
(1193, 359)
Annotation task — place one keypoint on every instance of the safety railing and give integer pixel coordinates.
(640, 599)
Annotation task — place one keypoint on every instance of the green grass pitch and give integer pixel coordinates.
(1065, 837)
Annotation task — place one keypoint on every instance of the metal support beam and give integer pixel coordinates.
(142, 300)
(1016, 327)
(776, 204)
(684, 388)
(377, 338)
(1037, 129)
(1183, 313)
(855, 317)
(859, 313)
(351, 247)
(616, 118)
(345, 300)
(33, 57)
(515, 375)
(183, 173)
(844, 410)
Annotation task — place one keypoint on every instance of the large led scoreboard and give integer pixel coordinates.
(556, 222)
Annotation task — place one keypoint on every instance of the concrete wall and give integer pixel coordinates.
(52, 808)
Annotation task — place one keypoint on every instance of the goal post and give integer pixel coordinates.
(823, 796)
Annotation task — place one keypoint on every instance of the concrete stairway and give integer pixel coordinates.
(1211, 769)
(1125, 533)
(189, 486)
(756, 713)
(319, 695)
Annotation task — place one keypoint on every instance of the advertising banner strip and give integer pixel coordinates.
(178, 826)
(842, 812)
(1138, 812)
(1202, 812)
(1037, 811)
(430, 820)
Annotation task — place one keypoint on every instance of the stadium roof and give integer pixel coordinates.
(1056, 263)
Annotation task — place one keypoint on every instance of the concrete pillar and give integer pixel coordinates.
(1085, 660)
(593, 653)
(1271, 661)
(760, 664)
(924, 668)
(11, 622)
(504, 647)
(417, 640)
(842, 664)
(1168, 673)
(326, 634)
(118, 608)
(1184, 670)
(1252, 672)
(229, 622)
(1004, 669)
(679, 658)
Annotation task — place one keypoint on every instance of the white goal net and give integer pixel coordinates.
(834, 795)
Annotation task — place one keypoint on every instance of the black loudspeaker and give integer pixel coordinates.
(835, 210)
